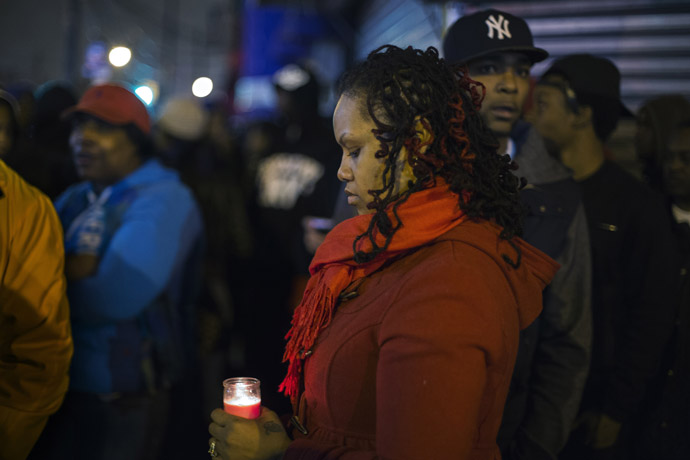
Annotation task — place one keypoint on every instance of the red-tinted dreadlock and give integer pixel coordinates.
(401, 87)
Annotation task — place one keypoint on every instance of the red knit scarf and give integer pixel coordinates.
(425, 216)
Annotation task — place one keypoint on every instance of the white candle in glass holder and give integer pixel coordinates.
(242, 397)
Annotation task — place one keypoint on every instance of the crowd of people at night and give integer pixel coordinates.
(451, 265)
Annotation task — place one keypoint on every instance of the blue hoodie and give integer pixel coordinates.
(136, 311)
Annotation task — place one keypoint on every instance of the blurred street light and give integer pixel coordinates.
(202, 87)
(145, 93)
(120, 56)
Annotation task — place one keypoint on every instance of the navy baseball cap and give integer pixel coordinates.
(592, 75)
(488, 32)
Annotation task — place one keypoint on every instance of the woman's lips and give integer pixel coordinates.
(351, 197)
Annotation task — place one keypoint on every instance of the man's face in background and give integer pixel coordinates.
(507, 81)
(551, 116)
(103, 153)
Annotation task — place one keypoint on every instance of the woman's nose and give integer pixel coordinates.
(344, 170)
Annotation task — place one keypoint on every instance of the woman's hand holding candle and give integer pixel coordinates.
(238, 438)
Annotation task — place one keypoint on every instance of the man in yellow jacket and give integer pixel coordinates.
(35, 334)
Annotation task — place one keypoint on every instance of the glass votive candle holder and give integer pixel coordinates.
(242, 397)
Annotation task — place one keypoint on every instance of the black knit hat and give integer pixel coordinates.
(591, 75)
(487, 32)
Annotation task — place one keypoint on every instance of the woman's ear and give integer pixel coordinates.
(424, 135)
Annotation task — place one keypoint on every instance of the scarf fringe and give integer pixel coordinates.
(311, 316)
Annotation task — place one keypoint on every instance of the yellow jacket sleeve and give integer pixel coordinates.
(35, 334)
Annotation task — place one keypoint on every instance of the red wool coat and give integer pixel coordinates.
(417, 366)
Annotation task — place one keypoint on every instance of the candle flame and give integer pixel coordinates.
(242, 400)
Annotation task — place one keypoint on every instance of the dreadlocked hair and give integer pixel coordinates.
(400, 88)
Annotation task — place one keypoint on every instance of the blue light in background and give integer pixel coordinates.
(145, 93)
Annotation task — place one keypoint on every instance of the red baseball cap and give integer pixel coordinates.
(113, 104)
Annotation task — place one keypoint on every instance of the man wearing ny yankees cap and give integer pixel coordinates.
(554, 352)
(133, 242)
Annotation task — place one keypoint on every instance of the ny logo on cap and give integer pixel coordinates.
(500, 27)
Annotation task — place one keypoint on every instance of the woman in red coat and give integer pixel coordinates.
(405, 340)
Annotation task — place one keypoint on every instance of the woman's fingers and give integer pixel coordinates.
(220, 417)
(238, 438)
(216, 431)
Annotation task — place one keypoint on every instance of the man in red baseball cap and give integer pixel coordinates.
(133, 234)
(110, 134)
